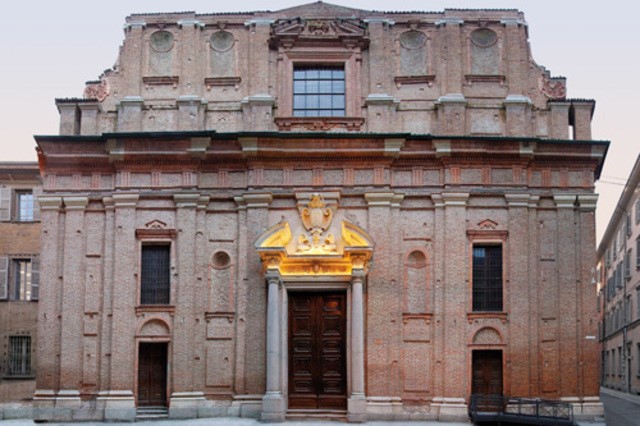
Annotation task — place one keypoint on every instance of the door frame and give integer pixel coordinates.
(323, 284)
(137, 365)
(495, 348)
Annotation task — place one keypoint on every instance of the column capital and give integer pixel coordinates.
(273, 276)
(588, 202)
(183, 200)
(125, 200)
(458, 199)
(254, 201)
(381, 199)
(517, 200)
(75, 203)
(48, 202)
(565, 201)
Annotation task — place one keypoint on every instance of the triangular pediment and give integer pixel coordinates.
(321, 9)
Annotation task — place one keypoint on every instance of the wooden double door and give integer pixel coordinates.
(152, 374)
(487, 378)
(317, 350)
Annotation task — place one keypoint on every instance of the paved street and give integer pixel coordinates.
(619, 412)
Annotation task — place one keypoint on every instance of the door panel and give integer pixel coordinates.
(487, 376)
(317, 336)
(152, 374)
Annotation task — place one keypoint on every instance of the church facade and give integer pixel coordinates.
(365, 215)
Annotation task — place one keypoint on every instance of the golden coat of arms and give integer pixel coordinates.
(316, 218)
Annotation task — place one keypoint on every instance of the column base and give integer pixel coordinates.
(119, 405)
(357, 408)
(451, 409)
(185, 405)
(274, 408)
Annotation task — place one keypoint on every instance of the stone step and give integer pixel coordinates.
(317, 415)
(152, 413)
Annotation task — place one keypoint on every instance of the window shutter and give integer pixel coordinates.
(35, 278)
(628, 224)
(638, 253)
(37, 191)
(4, 277)
(638, 211)
(5, 204)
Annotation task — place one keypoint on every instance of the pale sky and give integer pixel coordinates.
(50, 48)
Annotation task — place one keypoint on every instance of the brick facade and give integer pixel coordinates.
(448, 138)
(19, 245)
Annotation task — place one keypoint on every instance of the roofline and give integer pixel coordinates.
(627, 194)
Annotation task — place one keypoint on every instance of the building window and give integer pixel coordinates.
(628, 310)
(318, 92)
(155, 274)
(620, 360)
(19, 356)
(638, 210)
(487, 278)
(638, 357)
(627, 264)
(638, 253)
(24, 206)
(19, 279)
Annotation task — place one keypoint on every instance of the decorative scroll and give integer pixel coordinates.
(97, 90)
(552, 88)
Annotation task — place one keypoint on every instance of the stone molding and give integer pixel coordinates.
(256, 201)
(588, 202)
(125, 200)
(517, 200)
(458, 199)
(379, 199)
(75, 203)
(565, 201)
(186, 200)
(48, 202)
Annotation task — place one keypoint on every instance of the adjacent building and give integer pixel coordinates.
(618, 272)
(19, 278)
(318, 210)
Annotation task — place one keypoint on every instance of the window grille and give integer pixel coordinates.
(19, 356)
(155, 275)
(318, 92)
(487, 278)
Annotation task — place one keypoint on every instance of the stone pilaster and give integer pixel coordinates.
(515, 251)
(533, 292)
(184, 399)
(119, 400)
(518, 115)
(71, 345)
(451, 27)
(257, 112)
(69, 118)
(581, 113)
(191, 112)
(455, 283)
(381, 113)
(452, 114)
(257, 220)
(559, 119)
(568, 294)
(130, 114)
(48, 345)
(89, 112)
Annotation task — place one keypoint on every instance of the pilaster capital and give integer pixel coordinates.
(458, 199)
(455, 99)
(533, 201)
(108, 203)
(380, 199)
(256, 201)
(203, 201)
(443, 148)
(449, 21)
(273, 277)
(588, 202)
(125, 200)
(183, 200)
(259, 21)
(517, 200)
(358, 275)
(437, 200)
(131, 101)
(48, 202)
(516, 100)
(565, 201)
(75, 203)
(249, 146)
(90, 106)
(383, 99)
(190, 100)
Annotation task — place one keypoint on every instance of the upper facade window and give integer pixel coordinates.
(155, 274)
(318, 92)
(487, 278)
(24, 206)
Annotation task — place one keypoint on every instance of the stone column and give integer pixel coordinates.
(357, 403)
(119, 400)
(48, 310)
(185, 399)
(273, 403)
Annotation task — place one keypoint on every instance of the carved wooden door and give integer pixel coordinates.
(152, 374)
(487, 377)
(317, 348)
